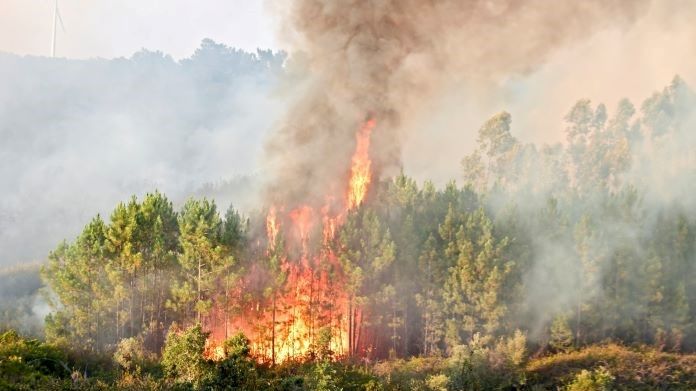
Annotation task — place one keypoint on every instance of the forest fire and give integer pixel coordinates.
(356, 208)
(305, 311)
(360, 174)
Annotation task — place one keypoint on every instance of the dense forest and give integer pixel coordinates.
(569, 265)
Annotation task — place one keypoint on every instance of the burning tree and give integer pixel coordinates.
(313, 279)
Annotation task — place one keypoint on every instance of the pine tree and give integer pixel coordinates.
(474, 288)
(366, 252)
(432, 278)
(561, 335)
(202, 256)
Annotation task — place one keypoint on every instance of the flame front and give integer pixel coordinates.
(305, 306)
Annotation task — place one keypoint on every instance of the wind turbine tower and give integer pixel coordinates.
(56, 19)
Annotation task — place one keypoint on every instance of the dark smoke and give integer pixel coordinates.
(386, 58)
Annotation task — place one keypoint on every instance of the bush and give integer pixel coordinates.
(597, 380)
(322, 345)
(323, 378)
(183, 360)
(561, 338)
(437, 382)
(411, 374)
(476, 366)
(633, 368)
(236, 370)
(26, 363)
(132, 356)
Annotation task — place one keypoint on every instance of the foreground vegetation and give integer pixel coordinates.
(32, 365)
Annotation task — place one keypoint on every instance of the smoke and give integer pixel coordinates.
(389, 59)
(22, 307)
(607, 64)
(620, 188)
(79, 136)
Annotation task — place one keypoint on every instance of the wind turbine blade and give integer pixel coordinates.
(60, 19)
(55, 22)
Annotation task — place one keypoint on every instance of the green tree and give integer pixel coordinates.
(474, 291)
(561, 335)
(156, 240)
(234, 241)
(366, 252)
(75, 274)
(123, 267)
(429, 299)
(202, 256)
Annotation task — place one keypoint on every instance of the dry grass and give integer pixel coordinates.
(634, 369)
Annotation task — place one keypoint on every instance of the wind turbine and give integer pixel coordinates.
(56, 19)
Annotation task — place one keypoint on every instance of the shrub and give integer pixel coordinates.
(26, 363)
(437, 382)
(561, 338)
(322, 345)
(476, 366)
(236, 371)
(633, 368)
(183, 360)
(410, 374)
(597, 380)
(132, 356)
(323, 377)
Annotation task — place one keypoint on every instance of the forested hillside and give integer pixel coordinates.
(541, 250)
(124, 126)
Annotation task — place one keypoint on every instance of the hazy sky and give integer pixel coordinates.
(108, 28)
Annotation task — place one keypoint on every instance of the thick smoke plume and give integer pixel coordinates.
(385, 59)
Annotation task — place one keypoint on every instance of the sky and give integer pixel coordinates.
(109, 29)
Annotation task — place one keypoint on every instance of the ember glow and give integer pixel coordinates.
(305, 310)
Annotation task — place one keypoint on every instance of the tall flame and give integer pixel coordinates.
(292, 318)
(360, 173)
(272, 226)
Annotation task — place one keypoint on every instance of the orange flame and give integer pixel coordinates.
(311, 304)
(302, 221)
(360, 173)
(272, 227)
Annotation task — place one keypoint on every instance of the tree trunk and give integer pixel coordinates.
(130, 307)
(350, 328)
(311, 308)
(142, 307)
(394, 326)
(198, 308)
(118, 336)
(273, 330)
(404, 351)
(577, 325)
(227, 302)
(357, 329)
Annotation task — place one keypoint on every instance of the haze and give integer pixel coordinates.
(111, 29)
